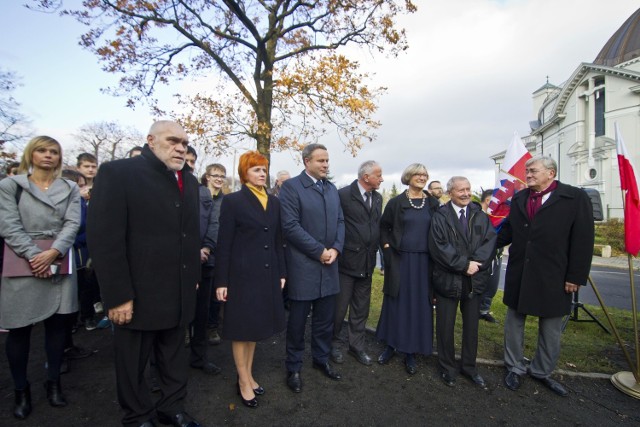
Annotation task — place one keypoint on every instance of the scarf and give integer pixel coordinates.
(535, 199)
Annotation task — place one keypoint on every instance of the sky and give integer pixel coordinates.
(454, 98)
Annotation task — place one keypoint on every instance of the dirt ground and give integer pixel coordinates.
(366, 396)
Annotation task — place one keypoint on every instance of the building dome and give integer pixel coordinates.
(623, 45)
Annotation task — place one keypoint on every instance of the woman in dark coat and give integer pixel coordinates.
(250, 271)
(406, 319)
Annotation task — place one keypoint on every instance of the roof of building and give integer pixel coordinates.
(623, 45)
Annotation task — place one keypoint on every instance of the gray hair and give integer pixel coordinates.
(452, 181)
(366, 168)
(282, 173)
(411, 170)
(546, 161)
(309, 149)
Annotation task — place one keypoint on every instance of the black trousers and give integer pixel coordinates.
(198, 329)
(321, 330)
(355, 295)
(132, 351)
(445, 324)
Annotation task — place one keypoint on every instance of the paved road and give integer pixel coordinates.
(612, 283)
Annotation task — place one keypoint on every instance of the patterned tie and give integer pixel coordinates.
(367, 199)
(464, 223)
(319, 185)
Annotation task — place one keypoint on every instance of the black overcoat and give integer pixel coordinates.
(144, 240)
(556, 247)
(362, 231)
(250, 263)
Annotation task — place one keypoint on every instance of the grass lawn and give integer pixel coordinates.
(585, 346)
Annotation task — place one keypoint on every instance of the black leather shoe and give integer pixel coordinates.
(148, 423)
(360, 356)
(207, 367)
(251, 403)
(553, 385)
(327, 370)
(54, 394)
(259, 390)
(512, 381)
(448, 379)
(386, 355)
(477, 380)
(410, 364)
(181, 419)
(22, 407)
(487, 317)
(336, 355)
(294, 382)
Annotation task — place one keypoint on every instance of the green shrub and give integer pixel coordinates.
(611, 233)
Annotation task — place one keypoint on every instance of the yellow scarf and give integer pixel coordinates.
(260, 193)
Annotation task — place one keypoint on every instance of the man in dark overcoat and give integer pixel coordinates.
(362, 207)
(143, 234)
(313, 228)
(550, 228)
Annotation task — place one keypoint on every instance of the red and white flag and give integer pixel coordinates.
(512, 179)
(629, 185)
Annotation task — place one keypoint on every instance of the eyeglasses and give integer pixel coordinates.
(534, 171)
(216, 176)
(436, 188)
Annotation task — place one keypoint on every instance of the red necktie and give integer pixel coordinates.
(180, 181)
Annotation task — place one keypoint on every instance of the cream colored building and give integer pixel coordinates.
(574, 122)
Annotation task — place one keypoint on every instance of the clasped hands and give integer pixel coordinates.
(474, 267)
(41, 263)
(122, 314)
(328, 256)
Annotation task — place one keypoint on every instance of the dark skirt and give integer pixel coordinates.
(406, 322)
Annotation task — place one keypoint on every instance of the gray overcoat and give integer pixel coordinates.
(54, 214)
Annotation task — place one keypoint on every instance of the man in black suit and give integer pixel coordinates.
(143, 235)
(362, 207)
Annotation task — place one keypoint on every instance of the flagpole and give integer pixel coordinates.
(629, 382)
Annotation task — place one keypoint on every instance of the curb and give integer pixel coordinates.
(490, 362)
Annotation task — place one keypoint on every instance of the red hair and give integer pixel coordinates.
(249, 160)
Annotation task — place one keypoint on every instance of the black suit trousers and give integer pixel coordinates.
(132, 351)
(445, 325)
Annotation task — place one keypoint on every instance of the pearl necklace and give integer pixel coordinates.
(424, 200)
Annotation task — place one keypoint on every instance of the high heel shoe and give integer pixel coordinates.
(22, 407)
(54, 393)
(251, 403)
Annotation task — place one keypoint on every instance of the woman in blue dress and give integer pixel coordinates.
(406, 320)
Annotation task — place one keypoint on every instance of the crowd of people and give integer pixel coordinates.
(144, 246)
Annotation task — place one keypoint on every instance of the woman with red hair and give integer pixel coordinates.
(250, 270)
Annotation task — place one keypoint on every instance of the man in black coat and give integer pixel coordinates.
(144, 240)
(550, 228)
(461, 244)
(361, 207)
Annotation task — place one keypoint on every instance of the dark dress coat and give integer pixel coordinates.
(362, 231)
(209, 214)
(311, 221)
(144, 240)
(250, 263)
(556, 247)
(452, 251)
(391, 230)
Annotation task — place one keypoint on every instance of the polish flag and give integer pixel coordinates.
(629, 186)
(512, 179)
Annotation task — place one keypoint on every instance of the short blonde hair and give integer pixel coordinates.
(26, 162)
(411, 170)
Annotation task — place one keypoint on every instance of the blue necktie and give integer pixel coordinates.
(319, 185)
(464, 223)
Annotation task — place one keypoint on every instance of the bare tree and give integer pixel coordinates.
(14, 126)
(107, 140)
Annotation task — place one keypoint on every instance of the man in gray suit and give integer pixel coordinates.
(313, 228)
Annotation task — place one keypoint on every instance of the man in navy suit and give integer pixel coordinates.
(313, 227)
